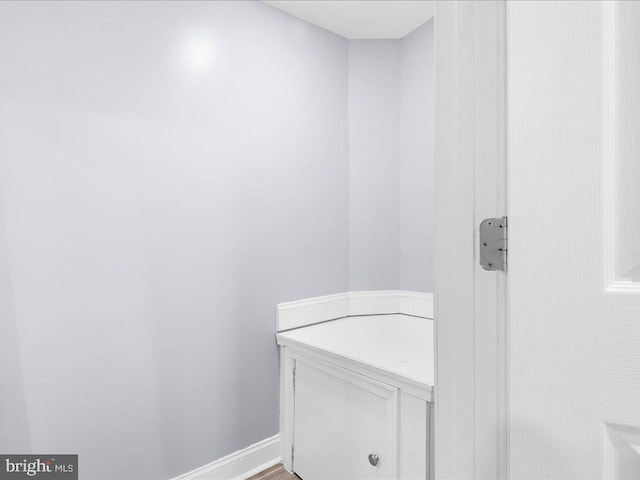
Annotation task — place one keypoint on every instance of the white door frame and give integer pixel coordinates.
(471, 410)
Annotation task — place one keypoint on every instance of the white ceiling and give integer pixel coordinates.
(359, 19)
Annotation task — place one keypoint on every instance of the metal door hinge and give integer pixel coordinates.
(493, 244)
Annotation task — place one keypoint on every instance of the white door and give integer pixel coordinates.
(573, 74)
(340, 419)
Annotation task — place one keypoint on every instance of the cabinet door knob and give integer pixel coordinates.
(373, 459)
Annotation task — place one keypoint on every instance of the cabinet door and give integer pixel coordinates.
(340, 419)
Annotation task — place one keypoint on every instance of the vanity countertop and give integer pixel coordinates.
(399, 344)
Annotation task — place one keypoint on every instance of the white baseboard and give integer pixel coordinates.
(240, 465)
(312, 310)
(377, 302)
(416, 303)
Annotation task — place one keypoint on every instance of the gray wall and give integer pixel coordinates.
(417, 108)
(158, 199)
(391, 144)
(374, 161)
(169, 172)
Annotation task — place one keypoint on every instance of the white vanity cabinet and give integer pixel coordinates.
(345, 425)
(356, 398)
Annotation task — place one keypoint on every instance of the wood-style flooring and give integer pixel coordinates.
(277, 472)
